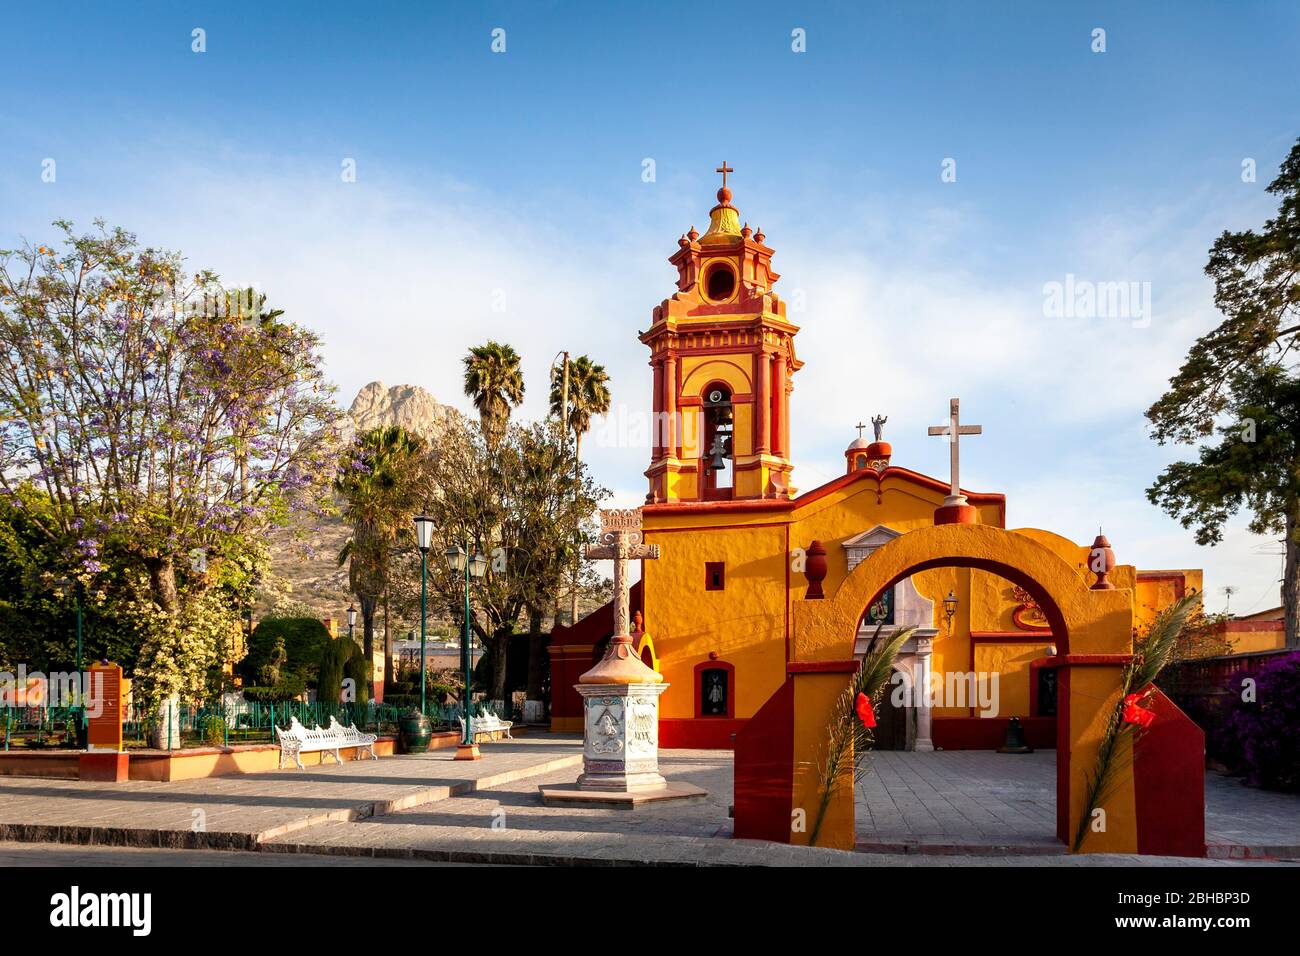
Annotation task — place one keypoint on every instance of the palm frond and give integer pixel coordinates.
(848, 740)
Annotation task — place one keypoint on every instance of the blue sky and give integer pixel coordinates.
(501, 194)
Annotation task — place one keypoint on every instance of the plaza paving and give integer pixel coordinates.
(955, 809)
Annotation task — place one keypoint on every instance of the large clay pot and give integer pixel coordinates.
(815, 569)
(414, 732)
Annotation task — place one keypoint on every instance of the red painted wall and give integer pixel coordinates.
(702, 733)
(1169, 782)
(988, 733)
(764, 769)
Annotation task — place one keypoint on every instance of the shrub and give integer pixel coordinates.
(357, 669)
(284, 648)
(288, 689)
(334, 656)
(1263, 735)
(214, 730)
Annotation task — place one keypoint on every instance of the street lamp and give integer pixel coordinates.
(950, 608)
(352, 619)
(459, 559)
(423, 541)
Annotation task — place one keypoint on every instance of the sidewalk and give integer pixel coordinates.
(240, 812)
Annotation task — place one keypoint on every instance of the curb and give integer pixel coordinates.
(919, 848)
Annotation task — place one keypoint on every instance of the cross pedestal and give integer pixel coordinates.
(620, 698)
(620, 737)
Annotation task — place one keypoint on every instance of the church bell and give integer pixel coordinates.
(1014, 741)
(718, 453)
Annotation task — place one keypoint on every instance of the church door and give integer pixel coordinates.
(891, 724)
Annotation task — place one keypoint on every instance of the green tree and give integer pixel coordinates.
(1239, 382)
(494, 380)
(588, 396)
(382, 482)
(165, 429)
(334, 657)
(516, 504)
(285, 648)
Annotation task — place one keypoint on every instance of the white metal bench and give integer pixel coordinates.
(487, 724)
(298, 740)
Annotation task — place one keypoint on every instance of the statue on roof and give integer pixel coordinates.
(878, 423)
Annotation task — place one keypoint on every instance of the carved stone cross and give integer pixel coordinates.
(954, 430)
(621, 541)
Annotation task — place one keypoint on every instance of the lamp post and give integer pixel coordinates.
(423, 541)
(352, 620)
(459, 559)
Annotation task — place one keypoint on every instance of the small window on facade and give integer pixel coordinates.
(713, 692)
(715, 575)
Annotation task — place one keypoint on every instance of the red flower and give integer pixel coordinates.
(865, 713)
(1134, 714)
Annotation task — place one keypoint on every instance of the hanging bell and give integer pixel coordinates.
(718, 454)
(1014, 741)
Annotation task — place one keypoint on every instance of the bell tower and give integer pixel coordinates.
(723, 357)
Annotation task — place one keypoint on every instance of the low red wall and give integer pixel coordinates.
(1169, 782)
(701, 733)
(988, 733)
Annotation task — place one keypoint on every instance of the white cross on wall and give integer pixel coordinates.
(954, 430)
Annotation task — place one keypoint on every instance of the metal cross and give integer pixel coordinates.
(620, 534)
(724, 169)
(954, 430)
(861, 428)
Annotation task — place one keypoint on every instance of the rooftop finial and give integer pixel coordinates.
(724, 194)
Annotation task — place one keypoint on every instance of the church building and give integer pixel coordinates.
(739, 543)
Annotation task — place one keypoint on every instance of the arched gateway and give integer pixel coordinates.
(1093, 630)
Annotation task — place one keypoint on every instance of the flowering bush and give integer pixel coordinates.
(1262, 736)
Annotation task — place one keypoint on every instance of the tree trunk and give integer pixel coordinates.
(534, 703)
(1291, 581)
(388, 643)
(577, 556)
(536, 650)
(162, 581)
(368, 603)
(500, 652)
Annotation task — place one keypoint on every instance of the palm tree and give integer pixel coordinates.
(495, 382)
(588, 395)
(381, 484)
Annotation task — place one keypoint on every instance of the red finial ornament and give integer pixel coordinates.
(1101, 561)
(815, 569)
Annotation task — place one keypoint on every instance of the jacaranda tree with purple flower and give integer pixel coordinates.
(167, 420)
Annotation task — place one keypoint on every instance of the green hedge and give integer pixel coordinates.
(298, 641)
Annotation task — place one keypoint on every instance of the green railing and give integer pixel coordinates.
(43, 726)
(216, 723)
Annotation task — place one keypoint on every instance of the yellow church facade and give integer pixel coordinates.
(737, 539)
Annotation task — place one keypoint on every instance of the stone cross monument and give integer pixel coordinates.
(620, 695)
(955, 508)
